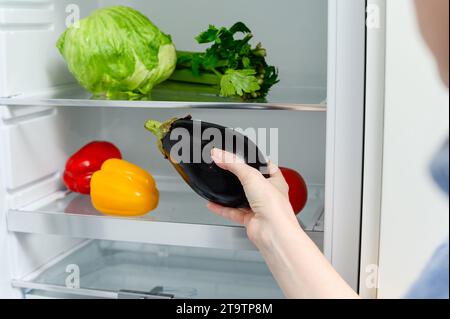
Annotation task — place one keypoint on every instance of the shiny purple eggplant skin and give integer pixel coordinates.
(205, 177)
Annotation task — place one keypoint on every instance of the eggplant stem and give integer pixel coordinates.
(160, 130)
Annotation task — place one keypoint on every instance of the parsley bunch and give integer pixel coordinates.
(231, 64)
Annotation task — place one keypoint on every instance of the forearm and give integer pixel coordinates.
(300, 268)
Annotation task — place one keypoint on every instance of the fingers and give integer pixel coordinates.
(274, 171)
(235, 165)
(240, 216)
(248, 175)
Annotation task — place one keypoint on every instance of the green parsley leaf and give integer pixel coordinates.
(209, 35)
(238, 82)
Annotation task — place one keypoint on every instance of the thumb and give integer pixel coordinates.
(236, 165)
(277, 179)
(258, 190)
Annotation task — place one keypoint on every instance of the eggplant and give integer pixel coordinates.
(193, 161)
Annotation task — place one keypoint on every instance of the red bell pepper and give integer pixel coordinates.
(85, 162)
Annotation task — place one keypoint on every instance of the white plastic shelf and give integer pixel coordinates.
(178, 96)
(114, 269)
(181, 219)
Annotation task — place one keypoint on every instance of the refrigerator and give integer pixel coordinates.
(326, 108)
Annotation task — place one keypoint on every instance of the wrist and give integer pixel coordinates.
(279, 234)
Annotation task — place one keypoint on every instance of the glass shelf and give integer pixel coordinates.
(180, 219)
(175, 95)
(111, 269)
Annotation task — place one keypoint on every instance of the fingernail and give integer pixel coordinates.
(220, 156)
(215, 154)
(272, 167)
(223, 157)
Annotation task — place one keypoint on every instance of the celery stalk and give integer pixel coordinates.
(185, 75)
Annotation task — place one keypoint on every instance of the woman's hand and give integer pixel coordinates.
(297, 264)
(270, 212)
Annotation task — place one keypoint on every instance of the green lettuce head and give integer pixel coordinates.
(118, 50)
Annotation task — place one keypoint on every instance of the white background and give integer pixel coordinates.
(414, 213)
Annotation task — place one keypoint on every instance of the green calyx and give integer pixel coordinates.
(160, 130)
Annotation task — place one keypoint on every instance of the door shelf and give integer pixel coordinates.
(181, 219)
(105, 269)
(178, 96)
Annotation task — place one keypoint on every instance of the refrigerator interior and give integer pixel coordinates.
(107, 269)
(46, 117)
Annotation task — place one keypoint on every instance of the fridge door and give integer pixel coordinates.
(345, 134)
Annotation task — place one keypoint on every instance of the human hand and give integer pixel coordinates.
(297, 264)
(271, 211)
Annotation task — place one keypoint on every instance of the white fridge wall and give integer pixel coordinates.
(33, 149)
(4, 260)
(34, 141)
(28, 34)
(38, 146)
(415, 213)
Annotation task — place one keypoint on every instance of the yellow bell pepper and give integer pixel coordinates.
(123, 189)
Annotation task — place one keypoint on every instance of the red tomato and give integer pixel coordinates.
(298, 191)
